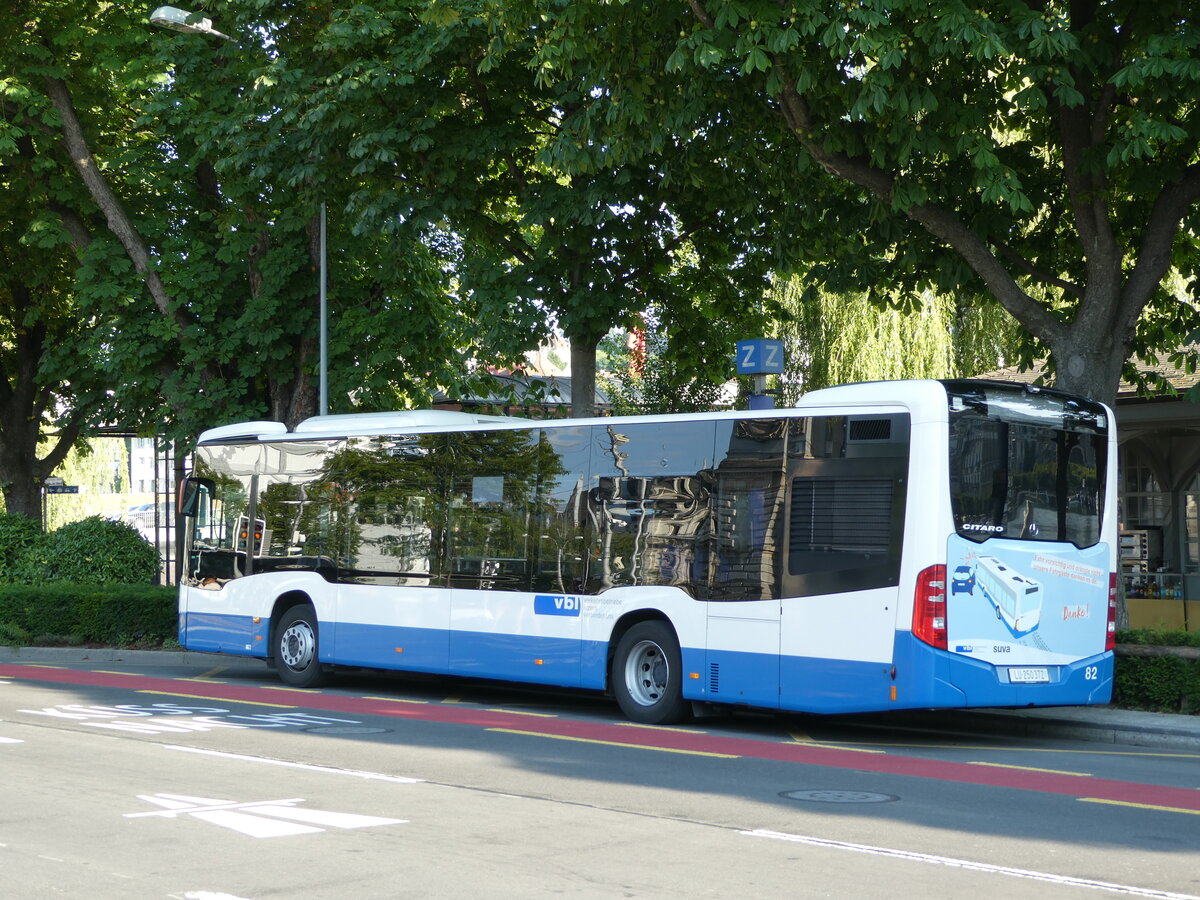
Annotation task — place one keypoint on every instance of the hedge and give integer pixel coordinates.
(111, 614)
(1167, 681)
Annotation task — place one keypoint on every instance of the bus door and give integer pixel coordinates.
(743, 609)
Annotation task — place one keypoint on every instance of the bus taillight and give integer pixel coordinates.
(1110, 638)
(929, 607)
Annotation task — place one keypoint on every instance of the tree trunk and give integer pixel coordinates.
(583, 377)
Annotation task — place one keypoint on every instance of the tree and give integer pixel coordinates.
(56, 351)
(837, 339)
(1040, 153)
(442, 125)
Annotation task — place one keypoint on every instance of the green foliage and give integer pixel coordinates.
(652, 377)
(1042, 155)
(1162, 683)
(839, 339)
(113, 614)
(18, 535)
(1159, 638)
(91, 551)
(12, 635)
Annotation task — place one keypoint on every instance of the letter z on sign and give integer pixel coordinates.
(555, 605)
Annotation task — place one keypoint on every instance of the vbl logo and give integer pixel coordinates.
(555, 605)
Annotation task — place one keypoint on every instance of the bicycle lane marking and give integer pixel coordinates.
(1144, 795)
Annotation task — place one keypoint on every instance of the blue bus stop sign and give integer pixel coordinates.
(761, 356)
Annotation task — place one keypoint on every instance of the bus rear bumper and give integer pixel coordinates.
(927, 677)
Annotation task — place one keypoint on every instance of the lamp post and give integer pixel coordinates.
(180, 20)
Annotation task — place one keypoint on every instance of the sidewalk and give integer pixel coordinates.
(1100, 724)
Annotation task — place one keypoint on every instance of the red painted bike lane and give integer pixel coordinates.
(679, 740)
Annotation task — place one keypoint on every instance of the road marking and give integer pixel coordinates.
(800, 738)
(204, 697)
(307, 767)
(997, 765)
(977, 748)
(583, 740)
(1191, 812)
(395, 700)
(4, 740)
(259, 819)
(660, 727)
(968, 864)
(522, 712)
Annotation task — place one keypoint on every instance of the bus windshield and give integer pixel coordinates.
(1026, 465)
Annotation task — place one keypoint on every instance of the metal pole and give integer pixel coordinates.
(324, 402)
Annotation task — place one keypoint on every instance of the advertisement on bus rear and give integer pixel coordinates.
(1026, 602)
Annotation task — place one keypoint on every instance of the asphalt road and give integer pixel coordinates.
(126, 780)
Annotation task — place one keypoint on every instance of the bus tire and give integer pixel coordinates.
(296, 650)
(647, 675)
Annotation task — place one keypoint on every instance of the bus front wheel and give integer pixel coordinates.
(647, 675)
(296, 646)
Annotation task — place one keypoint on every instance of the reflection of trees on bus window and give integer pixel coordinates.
(385, 495)
(492, 480)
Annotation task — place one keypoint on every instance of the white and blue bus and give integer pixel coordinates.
(791, 559)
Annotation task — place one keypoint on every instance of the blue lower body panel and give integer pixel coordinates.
(219, 633)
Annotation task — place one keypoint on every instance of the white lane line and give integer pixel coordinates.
(968, 864)
(324, 770)
(4, 740)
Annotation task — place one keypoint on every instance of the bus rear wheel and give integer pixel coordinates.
(647, 675)
(296, 647)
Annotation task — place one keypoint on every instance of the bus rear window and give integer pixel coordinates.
(1034, 472)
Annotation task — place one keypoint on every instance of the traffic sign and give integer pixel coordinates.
(62, 489)
(761, 356)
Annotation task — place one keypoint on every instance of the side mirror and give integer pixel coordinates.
(194, 496)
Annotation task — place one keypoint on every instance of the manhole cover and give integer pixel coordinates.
(839, 796)
(346, 729)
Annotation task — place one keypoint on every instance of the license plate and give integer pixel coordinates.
(1028, 676)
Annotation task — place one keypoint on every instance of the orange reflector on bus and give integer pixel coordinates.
(695, 676)
(399, 649)
(893, 692)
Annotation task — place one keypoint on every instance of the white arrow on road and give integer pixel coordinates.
(260, 819)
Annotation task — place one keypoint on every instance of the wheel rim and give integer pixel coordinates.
(647, 673)
(297, 645)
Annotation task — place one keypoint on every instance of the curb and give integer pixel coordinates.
(1092, 724)
(109, 654)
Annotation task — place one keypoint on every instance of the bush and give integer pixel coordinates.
(114, 615)
(17, 535)
(91, 551)
(13, 635)
(1168, 683)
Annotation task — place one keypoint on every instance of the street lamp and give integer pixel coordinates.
(174, 19)
(186, 22)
